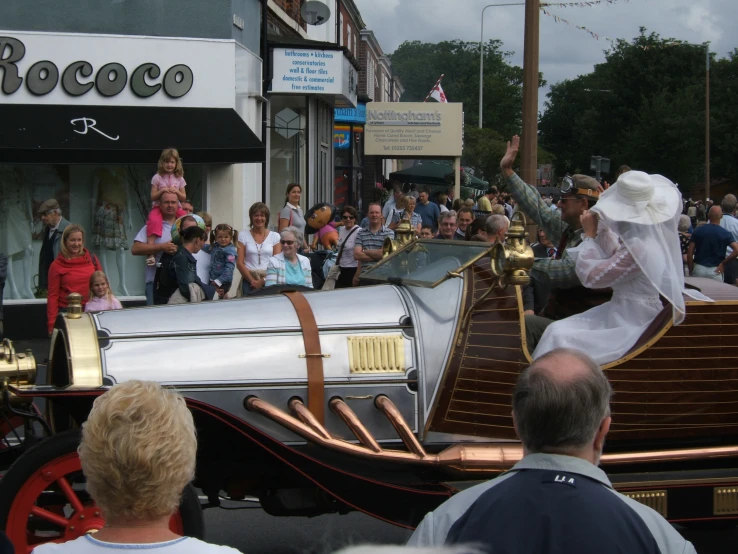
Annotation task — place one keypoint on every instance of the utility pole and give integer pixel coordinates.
(529, 154)
(707, 121)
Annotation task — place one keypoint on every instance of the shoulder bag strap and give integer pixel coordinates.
(340, 250)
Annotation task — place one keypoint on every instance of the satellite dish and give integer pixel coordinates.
(315, 12)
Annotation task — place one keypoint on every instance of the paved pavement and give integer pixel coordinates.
(252, 531)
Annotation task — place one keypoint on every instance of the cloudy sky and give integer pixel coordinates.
(566, 52)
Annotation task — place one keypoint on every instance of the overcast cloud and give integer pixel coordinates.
(566, 52)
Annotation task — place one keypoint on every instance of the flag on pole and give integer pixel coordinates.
(437, 92)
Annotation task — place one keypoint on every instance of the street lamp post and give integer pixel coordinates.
(481, 55)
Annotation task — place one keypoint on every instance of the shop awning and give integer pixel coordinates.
(124, 135)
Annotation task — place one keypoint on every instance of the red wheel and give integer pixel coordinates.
(43, 498)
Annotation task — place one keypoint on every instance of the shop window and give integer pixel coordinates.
(111, 203)
(287, 150)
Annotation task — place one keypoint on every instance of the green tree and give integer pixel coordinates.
(644, 107)
(420, 64)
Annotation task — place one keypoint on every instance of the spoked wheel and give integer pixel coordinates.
(43, 498)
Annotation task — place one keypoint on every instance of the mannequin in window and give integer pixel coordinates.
(111, 214)
(16, 229)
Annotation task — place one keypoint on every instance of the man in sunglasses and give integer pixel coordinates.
(564, 229)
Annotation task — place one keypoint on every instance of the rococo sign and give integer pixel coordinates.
(111, 79)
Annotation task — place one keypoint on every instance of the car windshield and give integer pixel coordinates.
(427, 263)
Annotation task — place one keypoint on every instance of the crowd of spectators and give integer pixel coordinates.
(203, 264)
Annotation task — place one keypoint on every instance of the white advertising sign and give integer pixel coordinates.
(414, 129)
(81, 69)
(326, 72)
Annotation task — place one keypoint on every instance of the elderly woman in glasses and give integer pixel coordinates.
(289, 267)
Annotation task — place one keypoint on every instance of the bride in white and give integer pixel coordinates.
(631, 244)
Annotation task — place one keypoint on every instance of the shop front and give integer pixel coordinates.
(83, 121)
(348, 147)
(308, 80)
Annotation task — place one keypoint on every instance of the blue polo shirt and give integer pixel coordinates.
(711, 242)
(429, 213)
(549, 504)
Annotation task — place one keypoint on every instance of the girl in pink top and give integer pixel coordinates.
(101, 297)
(169, 178)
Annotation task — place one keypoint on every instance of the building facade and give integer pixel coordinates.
(89, 98)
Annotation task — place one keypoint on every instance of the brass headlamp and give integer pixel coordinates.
(513, 260)
(404, 233)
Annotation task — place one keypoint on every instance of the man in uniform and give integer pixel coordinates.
(555, 499)
(563, 228)
(54, 225)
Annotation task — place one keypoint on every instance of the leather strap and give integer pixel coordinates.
(313, 354)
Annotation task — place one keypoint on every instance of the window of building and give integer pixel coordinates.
(287, 149)
(349, 42)
(356, 52)
(111, 203)
(340, 26)
(387, 88)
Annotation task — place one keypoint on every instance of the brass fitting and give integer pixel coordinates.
(512, 261)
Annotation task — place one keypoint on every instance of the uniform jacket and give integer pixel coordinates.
(550, 503)
(568, 296)
(68, 276)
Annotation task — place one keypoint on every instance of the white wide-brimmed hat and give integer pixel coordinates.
(640, 198)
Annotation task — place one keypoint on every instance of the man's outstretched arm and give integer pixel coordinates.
(527, 197)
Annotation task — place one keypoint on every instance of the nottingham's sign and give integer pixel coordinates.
(109, 80)
(405, 129)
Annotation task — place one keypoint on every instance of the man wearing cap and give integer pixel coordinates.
(54, 225)
(564, 229)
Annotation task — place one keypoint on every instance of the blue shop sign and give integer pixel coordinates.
(351, 115)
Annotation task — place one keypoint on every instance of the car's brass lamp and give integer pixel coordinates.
(404, 233)
(15, 368)
(513, 260)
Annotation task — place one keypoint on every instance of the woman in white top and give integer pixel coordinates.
(138, 454)
(349, 276)
(255, 247)
(291, 215)
(633, 248)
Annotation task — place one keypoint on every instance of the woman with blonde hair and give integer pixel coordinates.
(70, 272)
(138, 455)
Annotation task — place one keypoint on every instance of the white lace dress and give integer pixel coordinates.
(608, 331)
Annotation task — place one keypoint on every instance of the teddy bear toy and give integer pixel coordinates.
(319, 221)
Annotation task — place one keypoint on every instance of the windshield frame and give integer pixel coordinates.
(457, 273)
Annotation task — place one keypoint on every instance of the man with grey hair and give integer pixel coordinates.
(730, 224)
(496, 227)
(555, 499)
(54, 225)
(447, 226)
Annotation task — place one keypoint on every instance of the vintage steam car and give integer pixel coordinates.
(383, 399)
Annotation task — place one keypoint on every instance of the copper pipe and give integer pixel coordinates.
(340, 408)
(477, 458)
(400, 425)
(307, 417)
(684, 454)
(257, 405)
